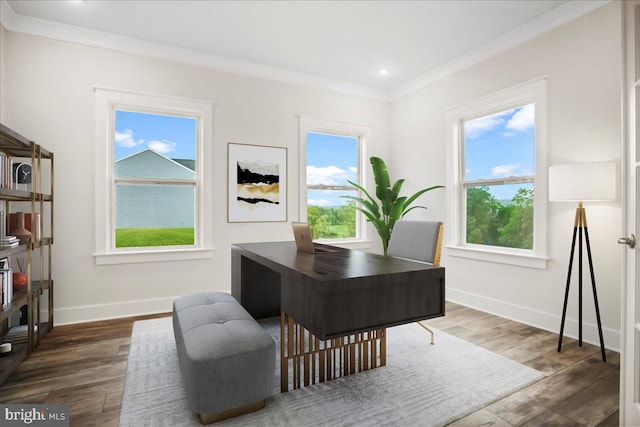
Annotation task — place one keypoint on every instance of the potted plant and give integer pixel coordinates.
(391, 207)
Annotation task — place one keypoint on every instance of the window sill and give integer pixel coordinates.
(497, 256)
(347, 243)
(139, 256)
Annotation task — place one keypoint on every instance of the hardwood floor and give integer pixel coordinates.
(84, 365)
(579, 389)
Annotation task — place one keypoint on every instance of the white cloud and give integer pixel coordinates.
(328, 175)
(503, 171)
(353, 169)
(523, 120)
(162, 147)
(126, 139)
(475, 128)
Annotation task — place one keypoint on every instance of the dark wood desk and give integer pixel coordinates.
(334, 295)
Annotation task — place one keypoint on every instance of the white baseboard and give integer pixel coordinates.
(91, 313)
(539, 319)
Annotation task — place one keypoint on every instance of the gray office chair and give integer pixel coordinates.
(417, 241)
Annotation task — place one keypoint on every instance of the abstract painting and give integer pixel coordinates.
(257, 183)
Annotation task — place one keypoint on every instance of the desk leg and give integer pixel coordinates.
(383, 347)
(335, 357)
(284, 362)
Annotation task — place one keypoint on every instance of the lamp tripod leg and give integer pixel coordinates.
(566, 292)
(595, 294)
(580, 287)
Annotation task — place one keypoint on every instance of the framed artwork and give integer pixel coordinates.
(257, 189)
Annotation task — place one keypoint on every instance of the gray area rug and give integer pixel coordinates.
(422, 384)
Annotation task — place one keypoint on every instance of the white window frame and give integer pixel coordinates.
(517, 96)
(341, 128)
(107, 103)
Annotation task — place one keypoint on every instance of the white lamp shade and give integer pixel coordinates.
(582, 182)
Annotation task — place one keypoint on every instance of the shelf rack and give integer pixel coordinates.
(27, 339)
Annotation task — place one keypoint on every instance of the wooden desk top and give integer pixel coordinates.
(335, 294)
(330, 266)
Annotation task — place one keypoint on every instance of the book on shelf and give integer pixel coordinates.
(9, 242)
(6, 168)
(7, 281)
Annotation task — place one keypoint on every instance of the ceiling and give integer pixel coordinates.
(333, 43)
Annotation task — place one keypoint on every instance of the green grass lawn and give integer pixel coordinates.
(137, 237)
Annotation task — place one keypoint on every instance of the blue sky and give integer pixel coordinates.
(170, 136)
(501, 145)
(331, 160)
(498, 145)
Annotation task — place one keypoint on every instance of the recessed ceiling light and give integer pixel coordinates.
(383, 72)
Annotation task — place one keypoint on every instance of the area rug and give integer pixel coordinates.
(422, 384)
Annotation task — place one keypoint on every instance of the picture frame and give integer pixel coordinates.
(257, 183)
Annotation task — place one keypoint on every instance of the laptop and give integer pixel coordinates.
(304, 242)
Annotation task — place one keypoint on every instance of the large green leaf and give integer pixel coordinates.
(392, 205)
(383, 183)
(368, 214)
(395, 191)
(418, 194)
(371, 206)
(364, 190)
(410, 209)
(379, 224)
(396, 213)
(397, 208)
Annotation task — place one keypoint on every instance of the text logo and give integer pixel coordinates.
(34, 415)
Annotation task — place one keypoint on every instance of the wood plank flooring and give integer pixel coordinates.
(83, 366)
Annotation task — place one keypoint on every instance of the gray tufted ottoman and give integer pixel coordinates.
(226, 358)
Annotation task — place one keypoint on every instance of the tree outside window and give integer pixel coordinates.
(331, 161)
(499, 175)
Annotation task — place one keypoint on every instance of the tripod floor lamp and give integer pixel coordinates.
(582, 182)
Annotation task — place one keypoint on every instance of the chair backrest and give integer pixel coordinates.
(417, 240)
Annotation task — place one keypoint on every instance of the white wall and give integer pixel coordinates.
(47, 95)
(2, 71)
(582, 60)
(49, 98)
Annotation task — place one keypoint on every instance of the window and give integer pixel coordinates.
(331, 155)
(150, 205)
(499, 159)
(498, 185)
(154, 179)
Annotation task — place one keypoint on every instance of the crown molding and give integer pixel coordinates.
(69, 33)
(534, 28)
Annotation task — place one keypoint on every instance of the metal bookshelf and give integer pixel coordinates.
(39, 287)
